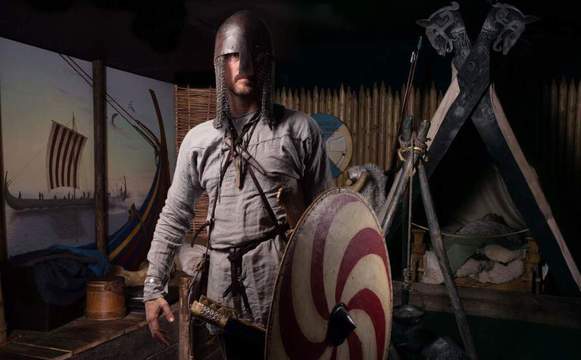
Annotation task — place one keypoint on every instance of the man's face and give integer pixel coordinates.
(238, 83)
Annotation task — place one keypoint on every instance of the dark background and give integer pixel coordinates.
(317, 43)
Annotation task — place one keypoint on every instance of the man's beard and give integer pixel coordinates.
(243, 91)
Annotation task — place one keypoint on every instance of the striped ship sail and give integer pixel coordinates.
(63, 156)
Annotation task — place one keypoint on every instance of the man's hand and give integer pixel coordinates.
(153, 309)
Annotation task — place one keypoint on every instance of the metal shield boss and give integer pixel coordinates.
(333, 294)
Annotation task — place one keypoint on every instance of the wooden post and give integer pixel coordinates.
(426, 104)
(562, 119)
(282, 97)
(577, 165)
(3, 240)
(433, 100)
(3, 243)
(329, 99)
(367, 134)
(401, 97)
(417, 104)
(309, 109)
(554, 135)
(388, 129)
(100, 136)
(184, 344)
(342, 106)
(562, 141)
(290, 99)
(395, 127)
(296, 100)
(382, 131)
(373, 133)
(569, 160)
(355, 127)
(337, 103)
(331, 102)
(348, 116)
(361, 125)
(316, 100)
(347, 108)
(543, 139)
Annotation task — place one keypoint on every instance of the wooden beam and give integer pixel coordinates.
(100, 136)
(3, 243)
(541, 309)
(3, 240)
(85, 339)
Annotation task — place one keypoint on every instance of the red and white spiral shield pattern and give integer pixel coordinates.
(337, 254)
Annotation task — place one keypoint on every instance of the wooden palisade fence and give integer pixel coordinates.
(193, 107)
(555, 151)
(371, 114)
(558, 150)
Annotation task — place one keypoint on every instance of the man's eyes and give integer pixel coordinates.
(232, 56)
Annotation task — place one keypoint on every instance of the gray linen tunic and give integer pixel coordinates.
(292, 154)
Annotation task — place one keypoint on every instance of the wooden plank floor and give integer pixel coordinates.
(83, 336)
(540, 309)
(15, 351)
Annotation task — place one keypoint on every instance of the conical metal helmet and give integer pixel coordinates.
(246, 34)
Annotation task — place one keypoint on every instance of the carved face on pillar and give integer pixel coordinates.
(243, 62)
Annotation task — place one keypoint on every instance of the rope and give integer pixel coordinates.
(137, 125)
(418, 150)
(471, 236)
(17, 174)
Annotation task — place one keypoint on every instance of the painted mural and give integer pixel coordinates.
(47, 123)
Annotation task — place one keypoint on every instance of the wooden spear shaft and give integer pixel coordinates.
(387, 214)
(438, 245)
(395, 195)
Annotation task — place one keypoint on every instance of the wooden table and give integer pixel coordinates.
(127, 338)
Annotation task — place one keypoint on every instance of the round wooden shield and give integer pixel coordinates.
(336, 255)
(338, 141)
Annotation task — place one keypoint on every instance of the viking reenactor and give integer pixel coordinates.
(242, 159)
